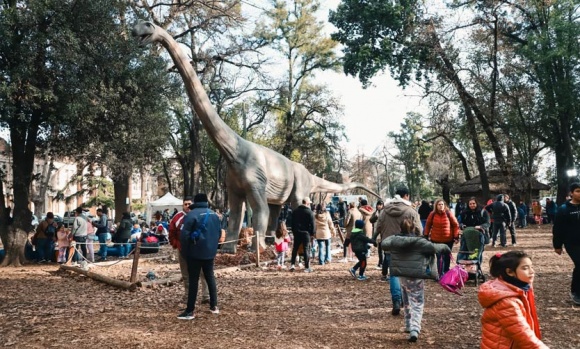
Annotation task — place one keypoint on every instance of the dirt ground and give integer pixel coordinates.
(41, 307)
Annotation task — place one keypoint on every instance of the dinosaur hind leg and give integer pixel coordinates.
(273, 220)
(235, 222)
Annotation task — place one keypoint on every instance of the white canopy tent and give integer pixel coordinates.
(166, 201)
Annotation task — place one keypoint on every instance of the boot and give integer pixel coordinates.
(413, 336)
(396, 308)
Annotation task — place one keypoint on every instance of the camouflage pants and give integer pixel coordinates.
(413, 302)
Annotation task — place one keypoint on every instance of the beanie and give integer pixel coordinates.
(359, 223)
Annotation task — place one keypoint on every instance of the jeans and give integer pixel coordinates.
(41, 248)
(124, 247)
(523, 221)
(324, 254)
(301, 238)
(499, 228)
(103, 244)
(444, 260)
(574, 253)
(81, 246)
(194, 267)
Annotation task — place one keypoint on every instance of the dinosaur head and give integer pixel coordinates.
(147, 32)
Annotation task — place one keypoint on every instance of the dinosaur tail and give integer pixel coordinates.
(322, 185)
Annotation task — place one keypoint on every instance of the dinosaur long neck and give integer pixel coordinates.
(224, 138)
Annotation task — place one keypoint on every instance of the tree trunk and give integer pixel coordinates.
(121, 187)
(480, 160)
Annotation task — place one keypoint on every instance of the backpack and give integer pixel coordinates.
(197, 233)
(454, 279)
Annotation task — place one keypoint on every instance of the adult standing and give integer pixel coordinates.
(353, 216)
(388, 224)
(44, 238)
(424, 211)
(522, 214)
(475, 217)
(550, 210)
(374, 218)
(537, 212)
(566, 234)
(442, 227)
(174, 236)
(302, 229)
(513, 216)
(500, 214)
(459, 207)
(199, 240)
(123, 234)
(324, 232)
(342, 212)
(79, 234)
(102, 225)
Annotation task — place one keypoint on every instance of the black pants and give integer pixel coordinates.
(512, 228)
(444, 260)
(82, 246)
(499, 228)
(574, 253)
(362, 262)
(381, 256)
(194, 267)
(345, 247)
(301, 238)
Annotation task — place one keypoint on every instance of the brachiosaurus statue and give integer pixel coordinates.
(255, 173)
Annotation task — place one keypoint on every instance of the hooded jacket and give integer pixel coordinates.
(566, 230)
(359, 242)
(500, 212)
(413, 256)
(206, 246)
(394, 213)
(367, 211)
(324, 227)
(509, 319)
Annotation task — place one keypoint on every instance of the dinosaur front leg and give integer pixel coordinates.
(273, 220)
(237, 206)
(261, 212)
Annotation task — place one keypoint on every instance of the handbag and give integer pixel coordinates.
(454, 279)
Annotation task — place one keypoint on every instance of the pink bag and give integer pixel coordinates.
(454, 279)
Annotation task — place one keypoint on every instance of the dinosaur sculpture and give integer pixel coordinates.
(263, 177)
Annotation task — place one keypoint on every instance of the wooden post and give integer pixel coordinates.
(135, 262)
(257, 248)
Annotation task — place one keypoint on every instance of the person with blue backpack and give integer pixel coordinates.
(199, 240)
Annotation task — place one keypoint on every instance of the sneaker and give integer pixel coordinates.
(327, 262)
(413, 336)
(352, 272)
(378, 267)
(292, 267)
(186, 315)
(308, 270)
(214, 310)
(362, 278)
(300, 265)
(384, 279)
(514, 245)
(396, 308)
(575, 298)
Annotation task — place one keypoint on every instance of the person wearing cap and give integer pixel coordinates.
(303, 230)
(359, 242)
(565, 234)
(374, 218)
(388, 224)
(200, 251)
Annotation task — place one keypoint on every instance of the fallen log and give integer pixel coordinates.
(167, 281)
(102, 278)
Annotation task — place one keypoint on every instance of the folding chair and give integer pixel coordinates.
(471, 253)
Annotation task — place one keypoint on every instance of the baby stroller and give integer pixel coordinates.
(471, 253)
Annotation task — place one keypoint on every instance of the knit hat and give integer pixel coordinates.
(359, 223)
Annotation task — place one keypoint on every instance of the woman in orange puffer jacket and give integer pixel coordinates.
(509, 319)
(442, 227)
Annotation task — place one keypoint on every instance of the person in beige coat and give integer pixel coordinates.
(352, 216)
(324, 231)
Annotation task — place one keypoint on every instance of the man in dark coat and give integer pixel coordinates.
(513, 216)
(500, 213)
(199, 240)
(303, 230)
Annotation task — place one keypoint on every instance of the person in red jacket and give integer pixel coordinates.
(510, 319)
(174, 232)
(442, 228)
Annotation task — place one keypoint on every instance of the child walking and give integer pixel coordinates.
(360, 246)
(510, 319)
(62, 237)
(412, 259)
(281, 243)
